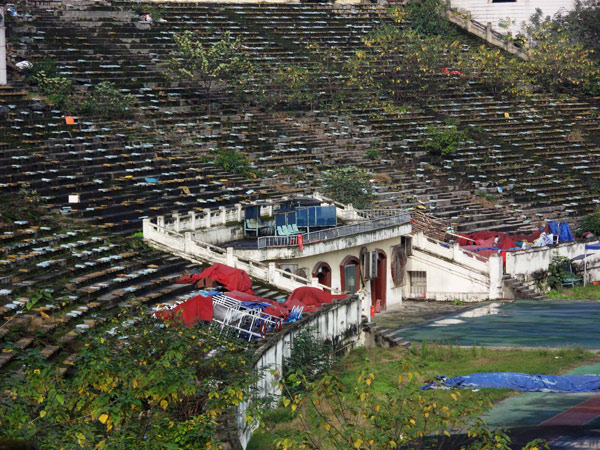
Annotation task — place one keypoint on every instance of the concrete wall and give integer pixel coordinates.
(339, 323)
(522, 264)
(485, 11)
(453, 273)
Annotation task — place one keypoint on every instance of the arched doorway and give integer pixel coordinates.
(350, 274)
(379, 284)
(322, 272)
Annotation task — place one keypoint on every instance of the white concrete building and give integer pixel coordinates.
(511, 12)
(374, 253)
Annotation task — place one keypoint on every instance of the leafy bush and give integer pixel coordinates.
(145, 386)
(349, 185)
(309, 355)
(591, 223)
(108, 102)
(426, 17)
(443, 140)
(232, 161)
(558, 270)
(373, 154)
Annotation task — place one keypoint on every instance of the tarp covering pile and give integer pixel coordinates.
(239, 287)
(486, 243)
(520, 382)
(196, 308)
(232, 279)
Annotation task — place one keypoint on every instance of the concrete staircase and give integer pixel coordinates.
(519, 290)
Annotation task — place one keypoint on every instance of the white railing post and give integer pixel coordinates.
(223, 212)
(160, 221)
(238, 209)
(230, 257)
(187, 241)
(177, 223)
(207, 212)
(314, 282)
(192, 220)
(272, 274)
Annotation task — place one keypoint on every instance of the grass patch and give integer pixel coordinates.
(430, 360)
(590, 292)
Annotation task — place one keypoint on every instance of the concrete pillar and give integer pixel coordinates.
(192, 220)
(270, 210)
(230, 257)
(223, 212)
(176, 223)
(3, 78)
(238, 209)
(207, 218)
(496, 273)
(488, 32)
(160, 221)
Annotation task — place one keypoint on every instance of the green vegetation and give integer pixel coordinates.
(373, 154)
(349, 185)
(106, 101)
(147, 385)
(591, 223)
(207, 65)
(590, 292)
(583, 23)
(232, 161)
(383, 384)
(443, 140)
(427, 17)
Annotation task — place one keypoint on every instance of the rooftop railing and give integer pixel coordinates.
(334, 233)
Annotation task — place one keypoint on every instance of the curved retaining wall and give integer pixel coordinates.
(338, 323)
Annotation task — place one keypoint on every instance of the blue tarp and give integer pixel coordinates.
(520, 382)
(553, 226)
(565, 234)
(595, 246)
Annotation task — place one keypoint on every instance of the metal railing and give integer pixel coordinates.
(333, 233)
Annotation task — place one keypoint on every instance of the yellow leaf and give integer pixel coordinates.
(293, 407)
(369, 381)
(134, 383)
(327, 427)
(103, 418)
(358, 443)
(286, 402)
(42, 413)
(447, 433)
(413, 421)
(164, 404)
(453, 396)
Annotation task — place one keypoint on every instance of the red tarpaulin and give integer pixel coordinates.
(312, 296)
(232, 279)
(195, 309)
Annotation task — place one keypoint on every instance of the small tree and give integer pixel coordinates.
(108, 102)
(591, 222)
(207, 65)
(443, 140)
(349, 185)
(232, 161)
(426, 17)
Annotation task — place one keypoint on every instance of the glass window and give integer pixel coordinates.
(350, 281)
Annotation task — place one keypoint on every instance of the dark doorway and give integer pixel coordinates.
(378, 285)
